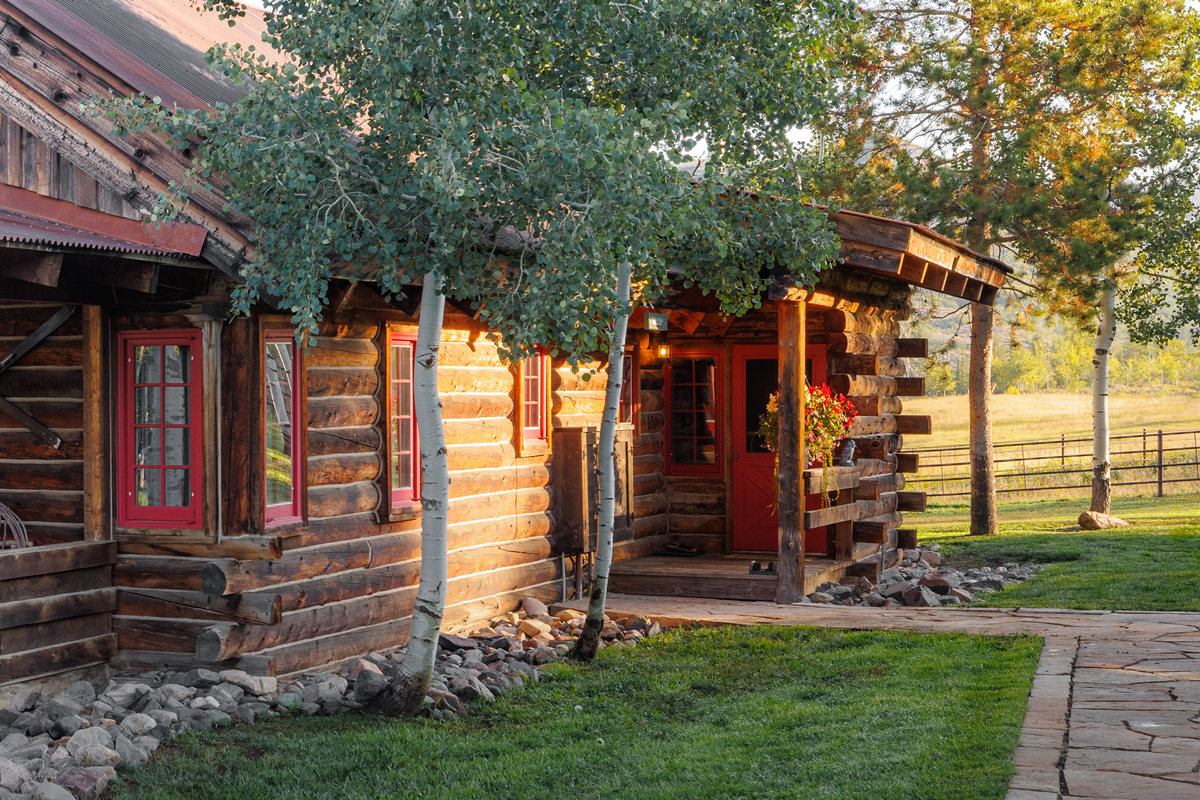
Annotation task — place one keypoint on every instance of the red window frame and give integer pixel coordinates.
(629, 405)
(289, 512)
(534, 398)
(718, 393)
(129, 513)
(402, 497)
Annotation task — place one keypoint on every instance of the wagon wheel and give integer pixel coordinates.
(12, 530)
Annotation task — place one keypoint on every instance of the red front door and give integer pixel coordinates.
(755, 379)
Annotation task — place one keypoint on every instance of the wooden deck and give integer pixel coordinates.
(713, 575)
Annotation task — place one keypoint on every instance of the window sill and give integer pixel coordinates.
(404, 513)
(283, 524)
(534, 447)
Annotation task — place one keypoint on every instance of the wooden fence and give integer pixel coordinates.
(1156, 459)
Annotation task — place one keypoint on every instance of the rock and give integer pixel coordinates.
(288, 699)
(137, 724)
(328, 691)
(257, 685)
(163, 717)
(368, 685)
(821, 597)
(361, 665)
(890, 603)
(445, 700)
(469, 689)
(12, 775)
(205, 702)
(51, 791)
(931, 557)
(147, 743)
(543, 655)
(14, 741)
(65, 726)
(85, 783)
(175, 691)
(131, 754)
(450, 641)
(962, 595)
(937, 583)
(25, 698)
(200, 679)
(874, 599)
(568, 614)
(93, 755)
(533, 607)
(920, 597)
(532, 627)
(88, 737)
(124, 695)
(987, 585)
(33, 723)
(1095, 521)
(223, 697)
(896, 591)
(235, 693)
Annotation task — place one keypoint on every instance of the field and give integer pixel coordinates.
(715, 713)
(1026, 417)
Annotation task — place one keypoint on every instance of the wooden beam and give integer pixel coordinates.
(914, 423)
(137, 276)
(57, 657)
(910, 501)
(791, 453)
(840, 478)
(31, 266)
(55, 607)
(910, 387)
(259, 608)
(53, 558)
(95, 428)
(912, 348)
(906, 538)
(908, 462)
(687, 321)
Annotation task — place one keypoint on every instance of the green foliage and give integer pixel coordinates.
(733, 712)
(1054, 132)
(522, 149)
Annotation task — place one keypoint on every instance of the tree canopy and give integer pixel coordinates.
(520, 148)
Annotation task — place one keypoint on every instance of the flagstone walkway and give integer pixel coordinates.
(1114, 713)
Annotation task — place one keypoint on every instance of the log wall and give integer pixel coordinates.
(44, 486)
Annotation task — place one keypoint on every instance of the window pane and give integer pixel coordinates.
(406, 471)
(396, 361)
(396, 482)
(178, 490)
(406, 371)
(177, 363)
(175, 405)
(147, 487)
(278, 432)
(681, 370)
(147, 405)
(176, 452)
(146, 364)
(146, 444)
(681, 398)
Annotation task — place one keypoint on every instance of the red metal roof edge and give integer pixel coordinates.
(171, 237)
(962, 248)
(103, 51)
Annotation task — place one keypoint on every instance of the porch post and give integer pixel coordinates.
(791, 451)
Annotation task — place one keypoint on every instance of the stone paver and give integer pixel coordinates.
(1114, 713)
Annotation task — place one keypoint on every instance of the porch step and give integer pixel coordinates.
(715, 576)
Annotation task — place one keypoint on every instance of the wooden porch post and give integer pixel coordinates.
(791, 451)
(95, 431)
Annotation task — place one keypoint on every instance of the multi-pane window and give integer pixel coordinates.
(282, 428)
(159, 430)
(533, 411)
(694, 415)
(627, 410)
(403, 448)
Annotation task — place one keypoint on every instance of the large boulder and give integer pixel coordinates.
(12, 775)
(1095, 521)
(252, 684)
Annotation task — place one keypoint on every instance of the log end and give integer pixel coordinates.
(213, 579)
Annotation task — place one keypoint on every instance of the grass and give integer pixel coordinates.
(716, 713)
(1028, 417)
(1152, 565)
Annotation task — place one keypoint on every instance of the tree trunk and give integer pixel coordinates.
(983, 471)
(589, 640)
(407, 691)
(1101, 459)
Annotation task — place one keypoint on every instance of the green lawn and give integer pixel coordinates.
(1152, 565)
(758, 713)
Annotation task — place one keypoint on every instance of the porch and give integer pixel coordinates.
(718, 576)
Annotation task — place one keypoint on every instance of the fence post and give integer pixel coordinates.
(1062, 458)
(1143, 447)
(1160, 463)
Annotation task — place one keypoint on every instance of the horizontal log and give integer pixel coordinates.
(696, 523)
(831, 515)
(57, 658)
(870, 405)
(910, 387)
(649, 464)
(876, 528)
(906, 538)
(863, 425)
(53, 351)
(498, 531)
(877, 385)
(341, 411)
(470, 508)
(336, 501)
(473, 406)
(59, 606)
(478, 431)
(656, 525)
(54, 414)
(42, 533)
(328, 441)
(862, 344)
(886, 504)
(480, 456)
(914, 424)
(876, 466)
(44, 506)
(19, 322)
(159, 572)
(648, 443)
(651, 380)
(650, 505)
(910, 501)
(356, 327)
(332, 352)
(653, 423)
(652, 483)
(482, 380)
(840, 478)
(884, 483)
(252, 608)
(240, 547)
(649, 402)
(845, 321)
(336, 381)
(59, 383)
(31, 561)
(576, 403)
(867, 489)
(37, 586)
(912, 348)
(466, 354)
(908, 462)
(52, 475)
(339, 469)
(877, 446)
(504, 479)
(585, 380)
(868, 365)
(176, 635)
(703, 504)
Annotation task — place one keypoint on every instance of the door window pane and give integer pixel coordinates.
(762, 380)
(694, 411)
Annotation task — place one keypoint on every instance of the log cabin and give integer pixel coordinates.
(199, 491)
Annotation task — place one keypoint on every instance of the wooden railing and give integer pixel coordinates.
(1151, 458)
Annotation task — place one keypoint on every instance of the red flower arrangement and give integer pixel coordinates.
(827, 417)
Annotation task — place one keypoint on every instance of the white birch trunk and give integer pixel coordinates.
(407, 691)
(1101, 458)
(589, 639)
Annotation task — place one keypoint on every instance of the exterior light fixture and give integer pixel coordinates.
(656, 321)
